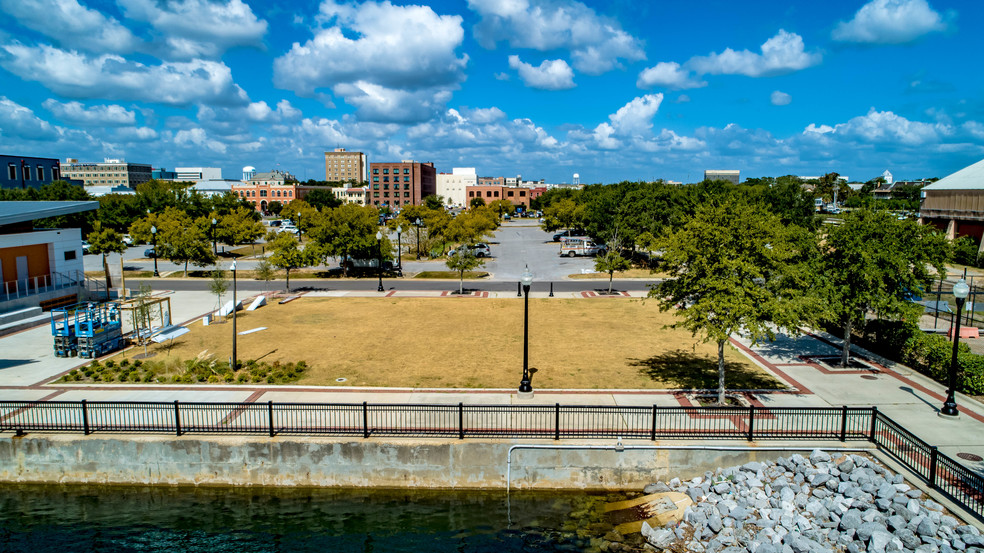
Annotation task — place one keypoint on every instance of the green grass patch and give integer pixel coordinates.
(469, 275)
(191, 371)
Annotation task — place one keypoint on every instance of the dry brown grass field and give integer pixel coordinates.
(473, 343)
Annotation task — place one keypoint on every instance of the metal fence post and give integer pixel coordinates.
(843, 436)
(365, 419)
(557, 421)
(874, 419)
(85, 418)
(177, 419)
(461, 421)
(519, 289)
(652, 434)
(751, 422)
(933, 450)
(270, 412)
(551, 289)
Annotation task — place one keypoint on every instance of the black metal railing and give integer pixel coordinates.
(460, 421)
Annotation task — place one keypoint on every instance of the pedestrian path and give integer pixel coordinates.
(28, 369)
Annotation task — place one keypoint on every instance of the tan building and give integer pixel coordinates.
(342, 166)
(398, 184)
(955, 203)
(263, 188)
(111, 172)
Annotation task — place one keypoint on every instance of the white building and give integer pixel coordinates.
(887, 175)
(197, 173)
(452, 186)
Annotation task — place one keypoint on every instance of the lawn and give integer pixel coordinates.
(473, 343)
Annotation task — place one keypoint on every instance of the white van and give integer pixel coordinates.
(571, 246)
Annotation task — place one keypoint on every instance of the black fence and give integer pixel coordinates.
(940, 304)
(460, 421)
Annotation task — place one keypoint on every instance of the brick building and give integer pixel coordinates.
(398, 184)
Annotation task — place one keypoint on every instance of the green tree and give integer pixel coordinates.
(288, 254)
(103, 241)
(563, 214)
(874, 262)
(434, 202)
(461, 260)
(476, 201)
(265, 271)
(611, 262)
(239, 226)
(218, 285)
(321, 199)
(302, 214)
(183, 240)
(345, 232)
(275, 207)
(502, 207)
(731, 272)
(471, 226)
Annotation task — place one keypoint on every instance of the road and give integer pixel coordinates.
(516, 245)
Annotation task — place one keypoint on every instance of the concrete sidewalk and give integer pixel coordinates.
(28, 364)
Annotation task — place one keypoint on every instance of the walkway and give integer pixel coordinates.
(28, 367)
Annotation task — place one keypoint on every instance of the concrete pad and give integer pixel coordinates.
(455, 398)
(793, 400)
(156, 394)
(329, 396)
(647, 400)
(27, 394)
(788, 350)
(29, 358)
(547, 398)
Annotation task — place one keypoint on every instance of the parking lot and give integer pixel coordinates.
(515, 245)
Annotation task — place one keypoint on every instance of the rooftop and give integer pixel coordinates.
(20, 212)
(968, 178)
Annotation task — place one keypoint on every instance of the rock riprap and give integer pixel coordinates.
(810, 504)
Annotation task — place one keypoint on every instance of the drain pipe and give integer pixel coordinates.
(619, 447)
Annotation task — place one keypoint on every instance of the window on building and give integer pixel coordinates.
(40, 173)
(522, 193)
(375, 187)
(375, 179)
(406, 194)
(375, 171)
(488, 194)
(386, 187)
(406, 179)
(406, 171)
(496, 193)
(509, 193)
(386, 179)
(70, 255)
(375, 195)
(386, 194)
(12, 171)
(471, 193)
(386, 171)
(290, 193)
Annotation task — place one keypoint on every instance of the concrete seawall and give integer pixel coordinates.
(254, 461)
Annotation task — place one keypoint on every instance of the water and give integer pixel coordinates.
(64, 519)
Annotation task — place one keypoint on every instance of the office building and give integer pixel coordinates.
(109, 172)
(343, 166)
(28, 172)
(398, 184)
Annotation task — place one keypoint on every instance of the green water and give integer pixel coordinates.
(62, 519)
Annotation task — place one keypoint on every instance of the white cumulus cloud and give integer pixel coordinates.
(596, 43)
(890, 22)
(549, 75)
(19, 122)
(636, 117)
(668, 75)
(72, 25)
(199, 138)
(103, 115)
(198, 28)
(382, 58)
(779, 98)
(77, 75)
(783, 53)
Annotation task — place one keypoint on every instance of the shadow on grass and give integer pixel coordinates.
(686, 369)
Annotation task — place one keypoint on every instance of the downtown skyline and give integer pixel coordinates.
(610, 90)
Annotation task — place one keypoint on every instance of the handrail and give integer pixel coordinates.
(458, 421)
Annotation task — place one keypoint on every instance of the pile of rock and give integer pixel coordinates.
(806, 505)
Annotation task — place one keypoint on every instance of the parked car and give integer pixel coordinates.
(357, 265)
(275, 223)
(581, 245)
(150, 253)
(128, 240)
(568, 232)
(288, 227)
(480, 250)
(85, 247)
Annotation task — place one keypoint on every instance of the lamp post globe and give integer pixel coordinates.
(960, 292)
(525, 386)
(379, 260)
(153, 235)
(215, 249)
(417, 224)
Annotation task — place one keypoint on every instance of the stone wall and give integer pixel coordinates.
(297, 461)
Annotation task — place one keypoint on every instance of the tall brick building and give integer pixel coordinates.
(399, 184)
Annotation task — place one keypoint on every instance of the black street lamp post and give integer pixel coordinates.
(525, 387)
(960, 291)
(417, 224)
(234, 335)
(215, 249)
(153, 235)
(379, 260)
(399, 250)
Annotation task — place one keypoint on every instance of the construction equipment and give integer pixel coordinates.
(86, 329)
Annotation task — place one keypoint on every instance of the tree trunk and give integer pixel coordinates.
(721, 372)
(186, 269)
(611, 276)
(288, 280)
(461, 283)
(109, 281)
(846, 351)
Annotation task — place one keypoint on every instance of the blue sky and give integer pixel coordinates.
(618, 90)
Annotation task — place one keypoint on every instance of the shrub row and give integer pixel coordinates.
(929, 354)
(188, 372)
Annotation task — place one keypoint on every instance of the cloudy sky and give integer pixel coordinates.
(612, 90)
